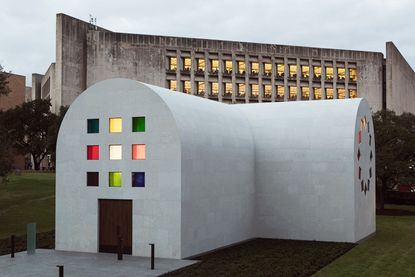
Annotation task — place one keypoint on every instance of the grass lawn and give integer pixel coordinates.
(24, 199)
(391, 252)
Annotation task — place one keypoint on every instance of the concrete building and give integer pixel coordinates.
(150, 166)
(19, 94)
(226, 71)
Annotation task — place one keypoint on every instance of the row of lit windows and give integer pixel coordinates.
(115, 179)
(241, 68)
(267, 90)
(138, 152)
(115, 125)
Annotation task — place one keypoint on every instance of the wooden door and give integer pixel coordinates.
(115, 220)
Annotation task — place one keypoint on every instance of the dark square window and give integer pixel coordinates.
(138, 179)
(93, 126)
(139, 124)
(92, 179)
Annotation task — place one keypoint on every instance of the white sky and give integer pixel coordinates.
(27, 34)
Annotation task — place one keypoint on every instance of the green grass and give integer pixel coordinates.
(24, 199)
(390, 252)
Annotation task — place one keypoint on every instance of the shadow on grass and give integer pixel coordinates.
(266, 257)
(44, 240)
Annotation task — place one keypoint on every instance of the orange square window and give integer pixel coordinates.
(139, 151)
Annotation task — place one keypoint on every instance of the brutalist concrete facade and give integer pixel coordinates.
(86, 54)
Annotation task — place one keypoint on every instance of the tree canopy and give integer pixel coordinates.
(4, 88)
(30, 127)
(395, 150)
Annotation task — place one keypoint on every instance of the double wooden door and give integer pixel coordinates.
(115, 222)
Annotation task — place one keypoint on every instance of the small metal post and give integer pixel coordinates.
(120, 248)
(31, 238)
(12, 246)
(60, 270)
(152, 255)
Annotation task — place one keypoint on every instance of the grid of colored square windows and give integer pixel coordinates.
(138, 152)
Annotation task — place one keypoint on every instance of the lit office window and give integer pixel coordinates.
(293, 93)
(214, 66)
(187, 87)
(280, 93)
(305, 93)
(329, 73)
(200, 88)
(267, 69)
(316, 93)
(353, 74)
(228, 67)
(172, 63)
(317, 72)
(254, 68)
(293, 70)
(267, 91)
(187, 64)
(353, 93)
(341, 93)
(201, 65)
(241, 67)
(173, 85)
(214, 88)
(280, 70)
(254, 90)
(341, 73)
(305, 71)
(241, 90)
(228, 89)
(329, 93)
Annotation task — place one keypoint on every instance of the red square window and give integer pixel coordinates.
(93, 152)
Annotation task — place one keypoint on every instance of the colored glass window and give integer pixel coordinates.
(138, 179)
(116, 125)
(115, 179)
(93, 126)
(138, 151)
(115, 152)
(93, 152)
(139, 124)
(92, 179)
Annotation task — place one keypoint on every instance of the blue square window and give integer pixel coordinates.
(138, 179)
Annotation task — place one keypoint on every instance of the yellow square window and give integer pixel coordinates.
(115, 125)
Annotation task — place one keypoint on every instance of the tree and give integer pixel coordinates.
(30, 127)
(6, 157)
(54, 130)
(4, 83)
(395, 151)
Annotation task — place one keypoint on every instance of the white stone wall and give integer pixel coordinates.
(156, 207)
(306, 180)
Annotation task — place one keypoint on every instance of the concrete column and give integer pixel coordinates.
(286, 73)
(247, 87)
(323, 78)
(310, 79)
(346, 83)
(207, 88)
(192, 73)
(273, 74)
(179, 66)
(260, 74)
(220, 79)
(298, 79)
(234, 69)
(335, 96)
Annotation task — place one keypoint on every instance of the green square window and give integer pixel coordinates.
(93, 126)
(115, 179)
(139, 124)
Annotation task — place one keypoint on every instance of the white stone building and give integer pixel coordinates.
(190, 174)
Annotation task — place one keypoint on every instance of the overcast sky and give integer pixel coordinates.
(27, 41)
